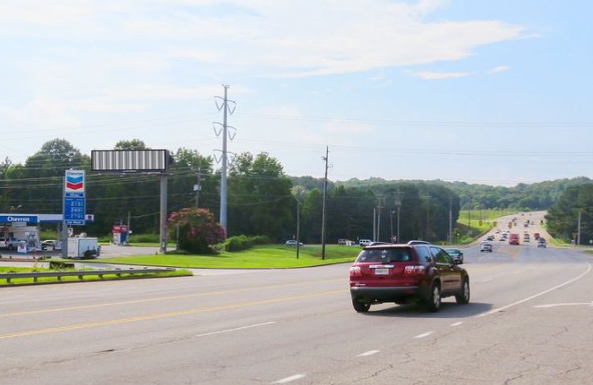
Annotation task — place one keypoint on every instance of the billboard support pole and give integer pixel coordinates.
(163, 220)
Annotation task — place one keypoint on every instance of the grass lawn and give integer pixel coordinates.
(259, 257)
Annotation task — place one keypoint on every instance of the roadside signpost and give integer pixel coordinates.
(74, 204)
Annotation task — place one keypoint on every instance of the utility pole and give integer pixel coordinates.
(469, 219)
(377, 237)
(325, 158)
(224, 158)
(198, 186)
(374, 223)
(579, 229)
(450, 219)
(129, 228)
(298, 229)
(398, 204)
(427, 215)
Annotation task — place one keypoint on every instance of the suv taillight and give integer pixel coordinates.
(355, 271)
(414, 270)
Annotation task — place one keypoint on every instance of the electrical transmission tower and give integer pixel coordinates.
(223, 128)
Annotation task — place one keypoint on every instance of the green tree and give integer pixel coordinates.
(562, 216)
(260, 199)
(191, 181)
(37, 185)
(134, 144)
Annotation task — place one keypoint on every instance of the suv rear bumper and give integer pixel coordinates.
(388, 294)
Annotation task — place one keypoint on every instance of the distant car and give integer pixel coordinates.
(490, 238)
(365, 242)
(293, 242)
(9, 243)
(536, 236)
(541, 242)
(514, 239)
(418, 242)
(406, 273)
(49, 244)
(456, 254)
(485, 246)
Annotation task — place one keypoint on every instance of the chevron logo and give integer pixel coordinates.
(75, 183)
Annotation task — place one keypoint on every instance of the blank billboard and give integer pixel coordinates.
(157, 161)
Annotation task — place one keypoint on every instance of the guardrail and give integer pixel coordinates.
(81, 273)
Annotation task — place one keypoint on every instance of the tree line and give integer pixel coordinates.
(262, 199)
(571, 217)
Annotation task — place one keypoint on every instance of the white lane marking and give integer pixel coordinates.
(369, 353)
(536, 295)
(564, 304)
(234, 329)
(289, 379)
(423, 335)
(457, 323)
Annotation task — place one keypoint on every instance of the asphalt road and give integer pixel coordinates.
(529, 322)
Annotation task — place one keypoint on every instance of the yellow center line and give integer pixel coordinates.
(166, 298)
(165, 315)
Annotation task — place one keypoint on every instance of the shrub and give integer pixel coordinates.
(198, 230)
(144, 238)
(243, 242)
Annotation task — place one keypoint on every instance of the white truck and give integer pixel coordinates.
(83, 248)
(9, 243)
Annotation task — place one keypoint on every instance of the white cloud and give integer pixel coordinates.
(428, 75)
(499, 69)
(130, 58)
(287, 38)
(39, 114)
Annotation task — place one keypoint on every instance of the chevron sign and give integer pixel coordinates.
(74, 181)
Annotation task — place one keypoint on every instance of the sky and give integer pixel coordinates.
(494, 92)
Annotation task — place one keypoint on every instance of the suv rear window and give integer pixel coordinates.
(424, 254)
(385, 255)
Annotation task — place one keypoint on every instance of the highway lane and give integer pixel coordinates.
(527, 323)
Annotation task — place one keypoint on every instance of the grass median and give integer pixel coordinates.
(259, 257)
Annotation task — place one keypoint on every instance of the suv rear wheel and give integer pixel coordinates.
(463, 297)
(359, 306)
(433, 302)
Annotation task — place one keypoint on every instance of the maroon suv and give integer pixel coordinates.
(406, 273)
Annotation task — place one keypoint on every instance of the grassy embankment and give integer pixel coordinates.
(475, 222)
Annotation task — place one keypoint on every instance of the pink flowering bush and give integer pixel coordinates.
(198, 230)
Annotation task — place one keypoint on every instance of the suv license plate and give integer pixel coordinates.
(381, 271)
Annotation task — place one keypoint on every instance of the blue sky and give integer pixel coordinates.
(493, 92)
